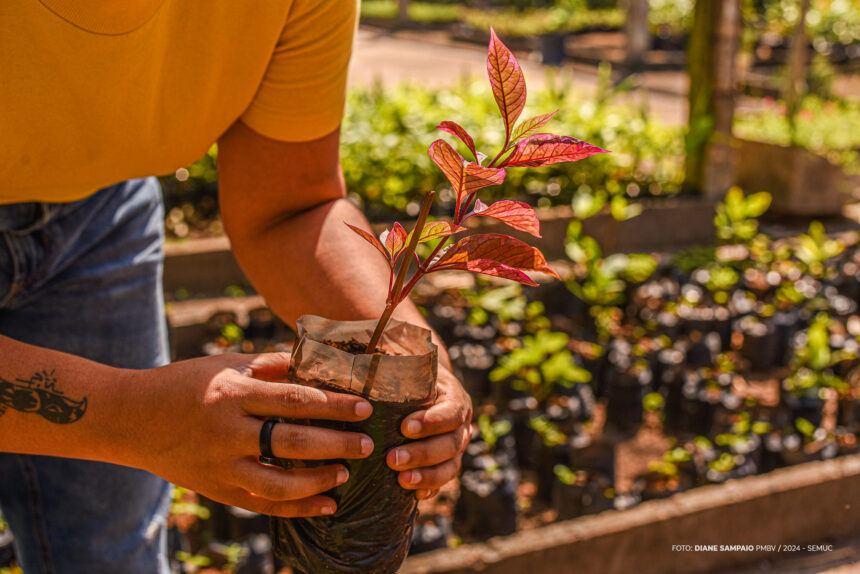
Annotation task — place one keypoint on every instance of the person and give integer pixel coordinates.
(94, 422)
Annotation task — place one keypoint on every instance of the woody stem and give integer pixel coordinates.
(406, 257)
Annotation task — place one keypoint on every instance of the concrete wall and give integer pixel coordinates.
(799, 505)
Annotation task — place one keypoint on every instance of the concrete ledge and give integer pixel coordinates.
(798, 505)
(665, 225)
(207, 266)
(201, 266)
(187, 321)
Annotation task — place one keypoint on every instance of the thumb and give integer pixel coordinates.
(271, 367)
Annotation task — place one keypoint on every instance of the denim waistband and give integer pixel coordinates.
(24, 218)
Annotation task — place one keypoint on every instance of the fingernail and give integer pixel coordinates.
(414, 477)
(342, 475)
(366, 445)
(401, 456)
(363, 409)
(327, 509)
(413, 427)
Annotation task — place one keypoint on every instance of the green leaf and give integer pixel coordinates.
(531, 126)
(622, 210)
(564, 474)
(757, 204)
(735, 205)
(587, 204)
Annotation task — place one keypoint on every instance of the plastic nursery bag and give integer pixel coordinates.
(371, 529)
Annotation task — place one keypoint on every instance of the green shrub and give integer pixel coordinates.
(533, 22)
(387, 131)
(827, 128)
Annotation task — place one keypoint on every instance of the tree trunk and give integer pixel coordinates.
(711, 69)
(637, 34)
(403, 10)
(798, 60)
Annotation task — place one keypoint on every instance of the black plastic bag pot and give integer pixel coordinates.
(473, 363)
(760, 343)
(805, 404)
(430, 533)
(772, 449)
(488, 499)
(370, 531)
(551, 49)
(567, 500)
(624, 400)
(598, 494)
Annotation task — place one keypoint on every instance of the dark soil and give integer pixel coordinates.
(353, 347)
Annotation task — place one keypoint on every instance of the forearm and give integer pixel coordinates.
(57, 404)
(311, 263)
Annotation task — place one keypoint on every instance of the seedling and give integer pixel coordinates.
(491, 253)
(492, 431)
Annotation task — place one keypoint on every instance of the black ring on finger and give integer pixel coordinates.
(266, 454)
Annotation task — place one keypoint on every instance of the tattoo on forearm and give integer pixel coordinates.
(39, 394)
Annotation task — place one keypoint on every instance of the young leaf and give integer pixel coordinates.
(437, 229)
(547, 149)
(395, 241)
(622, 210)
(370, 239)
(507, 81)
(757, 204)
(587, 204)
(465, 177)
(531, 126)
(495, 254)
(457, 131)
(519, 215)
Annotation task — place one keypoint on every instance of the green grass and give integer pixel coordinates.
(542, 21)
(418, 11)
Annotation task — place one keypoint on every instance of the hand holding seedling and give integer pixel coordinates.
(203, 433)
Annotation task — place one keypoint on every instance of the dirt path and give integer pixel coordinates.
(433, 59)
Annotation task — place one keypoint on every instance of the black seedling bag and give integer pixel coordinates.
(371, 530)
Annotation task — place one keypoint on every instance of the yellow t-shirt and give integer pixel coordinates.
(93, 92)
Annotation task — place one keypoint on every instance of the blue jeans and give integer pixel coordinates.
(85, 278)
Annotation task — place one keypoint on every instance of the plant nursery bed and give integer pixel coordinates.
(200, 266)
(207, 266)
(194, 321)
(796, 506)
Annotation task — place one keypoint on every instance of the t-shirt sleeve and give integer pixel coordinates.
(303, 91)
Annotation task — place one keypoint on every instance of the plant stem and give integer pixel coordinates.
(505, 150)
(394, 297)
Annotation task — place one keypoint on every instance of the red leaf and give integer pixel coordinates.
(437, 229)
(494, 254)
(494, 268)
(457, 130)
(508, 82)
(465, 177)
(370, 239)
(517, 214)
(531, 126)
(547, 149)
(395, 240)
(449, 161)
